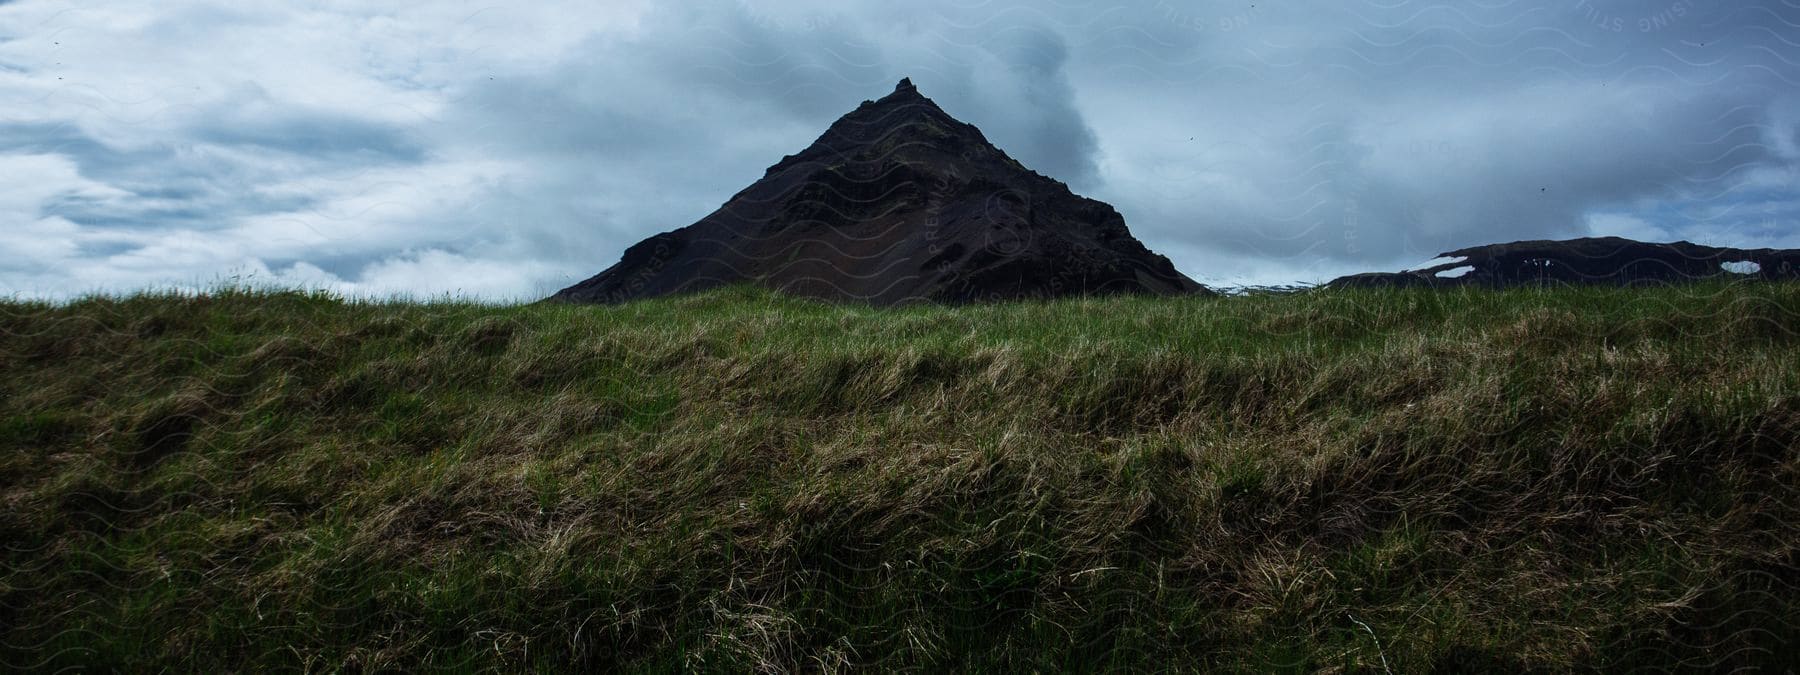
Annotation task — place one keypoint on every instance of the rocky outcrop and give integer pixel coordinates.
(1596, 260)
(897, 202)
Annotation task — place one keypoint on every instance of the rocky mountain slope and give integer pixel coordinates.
(897, 202)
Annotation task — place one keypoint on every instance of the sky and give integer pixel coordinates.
(501, 151)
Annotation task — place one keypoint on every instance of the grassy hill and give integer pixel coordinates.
(1364, 480)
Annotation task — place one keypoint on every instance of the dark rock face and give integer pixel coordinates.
(1597, 260)
(897, 202)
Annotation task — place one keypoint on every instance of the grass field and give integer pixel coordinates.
(1401, 481)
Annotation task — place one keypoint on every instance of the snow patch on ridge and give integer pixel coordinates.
(1434, 262)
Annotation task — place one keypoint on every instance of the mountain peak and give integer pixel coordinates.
(903, 125)
(905, 92)
(898, 201)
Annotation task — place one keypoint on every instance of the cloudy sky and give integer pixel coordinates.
(505, 150)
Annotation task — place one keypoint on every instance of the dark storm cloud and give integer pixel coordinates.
(1351, 135)
(1056, 137)
(507, 151)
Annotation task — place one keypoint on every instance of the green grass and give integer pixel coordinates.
(1360, 480)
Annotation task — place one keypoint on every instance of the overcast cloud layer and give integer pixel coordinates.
(505, 151)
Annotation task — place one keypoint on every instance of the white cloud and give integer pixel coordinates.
(28, 180)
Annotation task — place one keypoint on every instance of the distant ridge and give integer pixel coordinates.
(1592, 260)
(897, 201)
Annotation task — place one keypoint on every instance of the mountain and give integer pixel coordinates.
(1594, 260)
(897, 202)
